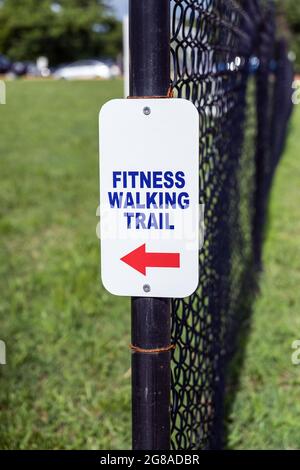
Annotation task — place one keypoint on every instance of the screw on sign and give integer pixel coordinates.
(149, 197)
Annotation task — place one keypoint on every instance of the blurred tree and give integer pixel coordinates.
(62, 30)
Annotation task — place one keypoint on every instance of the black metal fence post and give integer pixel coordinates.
(149, 26)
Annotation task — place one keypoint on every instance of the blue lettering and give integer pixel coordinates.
(140, 221)
(152, 223)
(183, 201)
(180, 178)
(133, 175)
(116, 178)
(129, 201)
(157, 179)
(151, 200)
(115, 199)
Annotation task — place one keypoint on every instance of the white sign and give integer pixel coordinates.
(149, 197)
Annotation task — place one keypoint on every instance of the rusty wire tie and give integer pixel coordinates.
(170, 94)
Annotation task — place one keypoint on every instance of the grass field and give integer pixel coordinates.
(66, 384)
(67, 381)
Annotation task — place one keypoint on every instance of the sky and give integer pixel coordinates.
(121, 7)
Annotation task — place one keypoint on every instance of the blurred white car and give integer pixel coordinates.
(84, 69)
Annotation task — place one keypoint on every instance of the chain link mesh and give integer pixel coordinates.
(226, 60)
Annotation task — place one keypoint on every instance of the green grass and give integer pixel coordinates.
(263, 404)
(66, 384)
(67, 380)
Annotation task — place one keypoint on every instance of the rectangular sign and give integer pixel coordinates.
(149, 197)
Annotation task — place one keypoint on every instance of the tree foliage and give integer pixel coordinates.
(62, 30)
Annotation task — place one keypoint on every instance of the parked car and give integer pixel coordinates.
(18, 69)
(84, 69)
(27, 68)
(5, 64)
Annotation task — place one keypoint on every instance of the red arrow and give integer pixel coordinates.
(140, 260)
